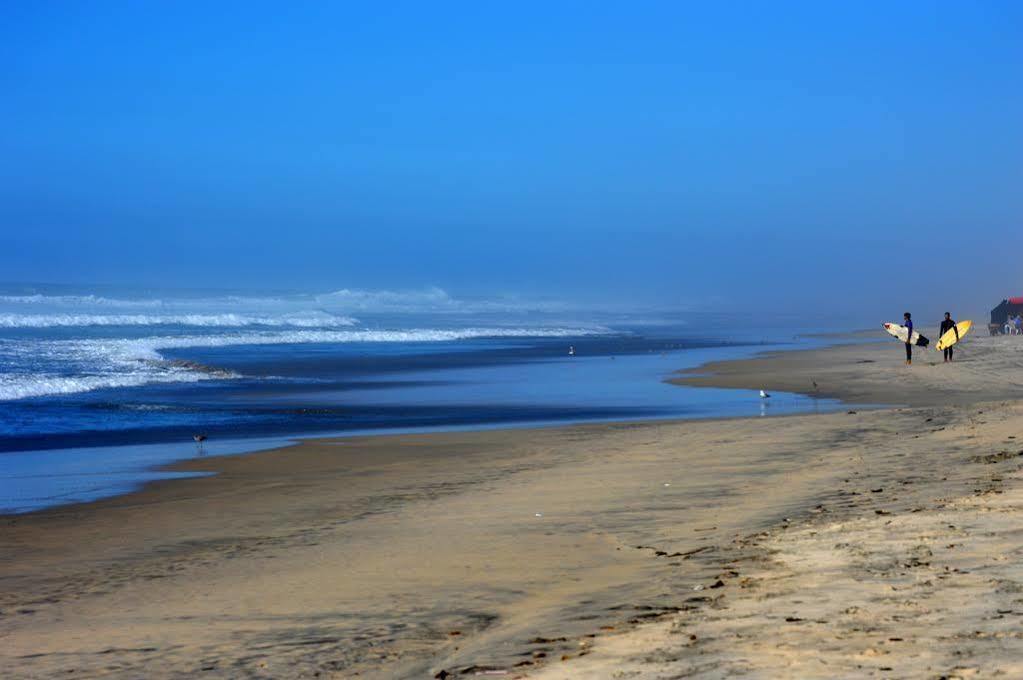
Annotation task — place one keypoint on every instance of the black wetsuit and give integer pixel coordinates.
(909, 343)
(946, 326)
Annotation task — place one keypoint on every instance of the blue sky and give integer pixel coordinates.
(801, 153)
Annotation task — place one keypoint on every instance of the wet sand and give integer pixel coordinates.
(805, 546)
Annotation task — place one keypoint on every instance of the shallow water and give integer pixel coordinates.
(540, 391)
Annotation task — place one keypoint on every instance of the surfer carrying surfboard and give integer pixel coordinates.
(947, 325)
(909, 336)
(906, 334)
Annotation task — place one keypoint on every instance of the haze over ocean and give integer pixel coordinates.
(799, 154)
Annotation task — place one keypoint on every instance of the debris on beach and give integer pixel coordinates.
(995, 457)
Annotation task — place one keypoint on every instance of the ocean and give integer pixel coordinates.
(100, 386)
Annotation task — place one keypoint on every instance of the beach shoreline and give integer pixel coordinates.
(615, 379)
(872, 372)
(502, 550)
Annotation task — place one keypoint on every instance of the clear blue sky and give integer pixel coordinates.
(652, 151)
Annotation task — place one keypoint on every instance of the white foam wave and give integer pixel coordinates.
(303, 320)
(429, 300)
(96, 363)
(212, 302)
(425, 300)
(389, 300)
(148, 348)
(77, 301)
(41, 385)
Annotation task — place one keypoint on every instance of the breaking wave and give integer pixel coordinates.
(305, 320)
(76, 301)
(83, 365)
(424, 300)
(41, 385)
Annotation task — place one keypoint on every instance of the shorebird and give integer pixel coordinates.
(764, 395)
(199, 439)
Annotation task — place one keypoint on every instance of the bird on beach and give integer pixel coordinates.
(571, 350)
(764, 395)
(814, 384)
(199, 439)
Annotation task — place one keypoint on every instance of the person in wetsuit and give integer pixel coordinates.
(947, 325)
(909, 337)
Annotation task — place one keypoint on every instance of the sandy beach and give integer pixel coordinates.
(868, 541)
(431, 341)
(871, 371)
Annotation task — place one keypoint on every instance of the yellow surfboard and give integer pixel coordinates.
(950, 338)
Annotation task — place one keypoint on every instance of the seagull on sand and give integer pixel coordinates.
(199, 439)
(764, 395)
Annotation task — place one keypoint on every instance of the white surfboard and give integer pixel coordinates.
(902, 333)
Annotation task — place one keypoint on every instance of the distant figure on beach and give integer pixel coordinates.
(200, 444)
(1019, 324)
(947, 325)
(571, 350)
(909, 337)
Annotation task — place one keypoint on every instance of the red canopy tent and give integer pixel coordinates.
(1009, 307)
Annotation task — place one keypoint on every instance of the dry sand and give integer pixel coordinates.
(984, 368)
(835, 545)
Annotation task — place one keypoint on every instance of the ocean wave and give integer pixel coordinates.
(14, 387)
(303, 320)
(412, 301)
(148, 348)
(388, 300)
(98, 363)
(209, 302)
(429, 300)
(77, 301)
